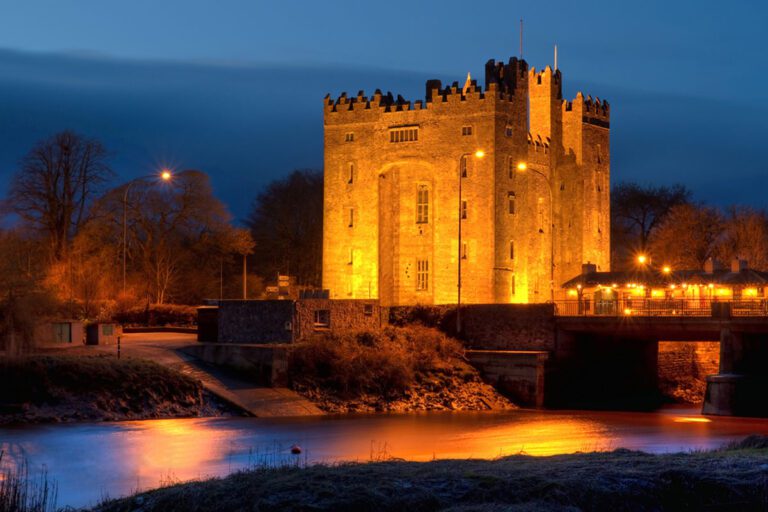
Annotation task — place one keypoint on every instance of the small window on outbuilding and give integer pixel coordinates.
(322, 319)
(466, 130)
(349, 137)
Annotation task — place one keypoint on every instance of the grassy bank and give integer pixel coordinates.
(733, 478)
(95, 388)
(395, 369)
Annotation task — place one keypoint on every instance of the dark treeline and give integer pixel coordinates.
(673, 229)
(71, 227)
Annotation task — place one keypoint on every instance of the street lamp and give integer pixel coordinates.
(165, 175)
(522, 166)
(477, 154)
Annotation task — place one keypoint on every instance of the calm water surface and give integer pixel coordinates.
(90, 461)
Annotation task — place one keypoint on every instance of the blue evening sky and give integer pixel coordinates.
(235, 87)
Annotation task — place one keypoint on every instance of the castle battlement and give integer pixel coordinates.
(593, 111)
(502, 81)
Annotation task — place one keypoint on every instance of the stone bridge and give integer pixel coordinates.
(584, 361)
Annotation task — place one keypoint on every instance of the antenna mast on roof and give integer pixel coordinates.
(555, 57)
(521, 38)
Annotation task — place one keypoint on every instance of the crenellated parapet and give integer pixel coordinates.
(509, 78)
(591, 111)
(502, 82)
(538, 150)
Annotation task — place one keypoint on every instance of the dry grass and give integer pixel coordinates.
(728, 479)
(67, 388)
(384, 363)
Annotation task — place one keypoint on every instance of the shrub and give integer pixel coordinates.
(157, 315)
(385, 363)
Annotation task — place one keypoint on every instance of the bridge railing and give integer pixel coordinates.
(661, 307)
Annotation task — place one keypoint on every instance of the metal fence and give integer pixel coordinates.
(661, 307)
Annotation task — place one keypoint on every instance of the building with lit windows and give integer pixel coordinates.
(502, 189)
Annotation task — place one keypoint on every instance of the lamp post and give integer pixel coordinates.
(165, 175)
(522, 166)
(478, 154)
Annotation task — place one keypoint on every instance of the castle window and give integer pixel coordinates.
(511, 202)
(513, 285)
(422, 205)
(463, 250)
(404, 134)
(463, 166)
(422, 275)
(562, 185)
(466, 130)
(511, 167)
(351, 257)
(351, 173)
(508, 130)
(351, 212)
(463, 210)
(349, 137)
(511, 249)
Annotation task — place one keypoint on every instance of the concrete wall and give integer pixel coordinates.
(267, 365)
(517, 374)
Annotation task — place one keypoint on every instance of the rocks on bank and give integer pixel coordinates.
(398, 369)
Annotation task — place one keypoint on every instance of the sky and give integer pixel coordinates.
(235, 87)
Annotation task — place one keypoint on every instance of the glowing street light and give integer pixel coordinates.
(477, 154)
(165, 175)
(642, 259)
(666, 269)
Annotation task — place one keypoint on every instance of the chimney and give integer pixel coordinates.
(737, 265)
(711, 265)
(588, 268)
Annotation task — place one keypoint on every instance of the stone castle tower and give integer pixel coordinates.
(404, 182)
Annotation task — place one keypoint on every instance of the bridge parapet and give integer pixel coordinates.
(649, 307)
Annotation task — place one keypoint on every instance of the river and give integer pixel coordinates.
(92, 461)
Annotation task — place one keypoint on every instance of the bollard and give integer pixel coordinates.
(118, 347)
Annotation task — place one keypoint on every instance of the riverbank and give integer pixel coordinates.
(61, 388)
(397, 369)
(729, 478)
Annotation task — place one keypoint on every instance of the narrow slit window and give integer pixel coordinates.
(351, 218)
(351, 173)
(463, 210)
(422, 275)
(511, 202)
(422, 205)
(511, 249)
(464, 250)
(463, 166)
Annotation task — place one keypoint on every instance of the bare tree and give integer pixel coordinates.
(286, 221)
(55, 185)
(687, 236)
(636, 211)
(745, 236)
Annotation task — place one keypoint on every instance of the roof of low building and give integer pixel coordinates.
(655, 277)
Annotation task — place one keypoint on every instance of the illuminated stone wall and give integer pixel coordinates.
(381, 151)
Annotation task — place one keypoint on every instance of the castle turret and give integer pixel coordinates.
(545, 96)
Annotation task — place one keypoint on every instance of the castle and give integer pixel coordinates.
(498, 193)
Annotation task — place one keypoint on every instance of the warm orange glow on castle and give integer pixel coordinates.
(506, 184)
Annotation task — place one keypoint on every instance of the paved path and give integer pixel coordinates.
(163, 348)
